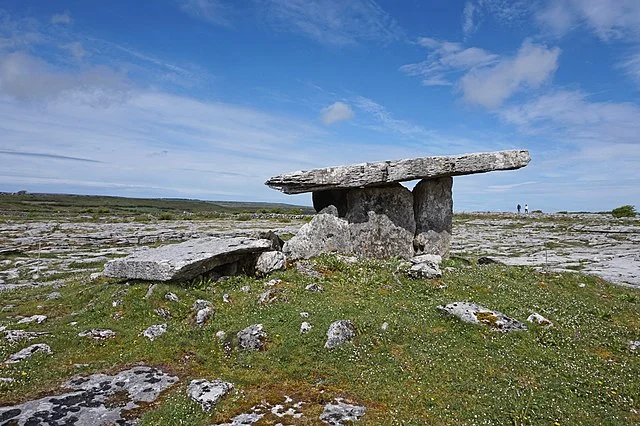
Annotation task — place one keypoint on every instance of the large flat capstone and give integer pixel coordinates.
(186, 260)
(385, 172)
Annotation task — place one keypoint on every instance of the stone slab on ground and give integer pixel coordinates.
(477, 314)
(184, 261)
(91, 400)
(384, 172)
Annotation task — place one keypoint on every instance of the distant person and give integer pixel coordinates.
(519, 208)
(526, 208)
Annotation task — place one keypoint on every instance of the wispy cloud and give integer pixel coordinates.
(469, 18)
(48, 156)
(631, 67)
(333, 22)
(211, 11)
(61, 19)
(336, 112)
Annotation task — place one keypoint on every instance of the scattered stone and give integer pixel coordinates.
(34, 318)
(172, 297)
(203, 315)
(162, 312)
(272, 283)
(269, 262)
(6, 380)
(252, 338)
(271, 295)
(325, 233)
(98, 334)
(425, 266)
(316, 288)
(27, 353)
(384, 326)
(304, 314)
(150, 291)
(155, 331)
(305, 327)
(340, 412)
(207, 393)
(73, 323)
(634, 345)
(116, 303)
(539, 319)
(339, 332)
(54, 295)
(376, 174)
(201, 304)
(184, 261)
(245, 289)
(221, 335)
(582, 285)
(476, 314)
(14, 336)
(305, 267)
(96, 399)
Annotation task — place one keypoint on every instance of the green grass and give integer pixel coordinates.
(426, 368)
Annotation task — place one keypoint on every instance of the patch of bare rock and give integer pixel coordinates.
(477, 314)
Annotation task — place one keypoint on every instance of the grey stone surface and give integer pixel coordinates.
(634, 345)
(33, 318)
(339, 412)
(88, 402)
(14, 336)
(252, 338)
(98, 334)
(203, 315)
(172, 297)
(425, 266)
(433, 210)
(314, 287)
(28, 352)
(185, 260)
(324, 234)
(381, 221)
(208, 393)
(539, 319)
(271, 295)
(371, 174)
(477, 314)
(154, 331)
(305, 327)
(201, 304)
(270, 261)
(54, 295)
(339, 332)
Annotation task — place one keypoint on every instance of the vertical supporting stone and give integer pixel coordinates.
(433, 209)
(381, 221)
(330, 197)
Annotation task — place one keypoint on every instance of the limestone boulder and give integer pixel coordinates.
(252, 338)
(433, 211)
(28, 352)
(339, 332)
(339, 412)
(325, 233)
(477, 314)
(208, 393)
(269, 262)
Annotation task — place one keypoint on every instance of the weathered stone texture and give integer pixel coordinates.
(433, 210)
(325, 233)
(372, 174)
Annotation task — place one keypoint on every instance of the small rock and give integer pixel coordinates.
(116, 303)
(73, 323)
(201, 304)
(150, 291)
(336, 414)
(207, 393)
(14, 336)
(384, 326)
(317, 288)
(273, 282)
(226, 298)
(164, 313)
(172, 297)
(97, 334)
(7, 380)
(339, 332)
(582, 285)
(246, 289)
(37, 318)
(425, 270)
(539, 319)
(270, 261)
(155, 331)
(28, 352)
(305, 327)
(54, 295)
(271, 296)
(634, 345)
(95, 276)
(252, 338)
(203, 315)
(476, 314)
(304, 314)
(221, 335)
(305, 268)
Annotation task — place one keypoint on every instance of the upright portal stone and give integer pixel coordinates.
(433, 209)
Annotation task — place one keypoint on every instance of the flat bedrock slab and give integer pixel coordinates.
(91, 400)
(384, 172)
(186, 260)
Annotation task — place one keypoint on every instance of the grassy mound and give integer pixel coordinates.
(425, 368)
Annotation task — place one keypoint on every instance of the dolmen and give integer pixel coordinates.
(364, 210)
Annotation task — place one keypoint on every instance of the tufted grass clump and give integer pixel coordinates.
(425, 368)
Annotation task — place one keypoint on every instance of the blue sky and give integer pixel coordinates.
(208, 98)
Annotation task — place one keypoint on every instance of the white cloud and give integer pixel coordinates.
(333, 22)
(61, 19)
(336, 112)
(490, 86)
(76, 50)
(28, 78)
(631, 67)
(468, 19)
(211, 11)
(607, 19)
